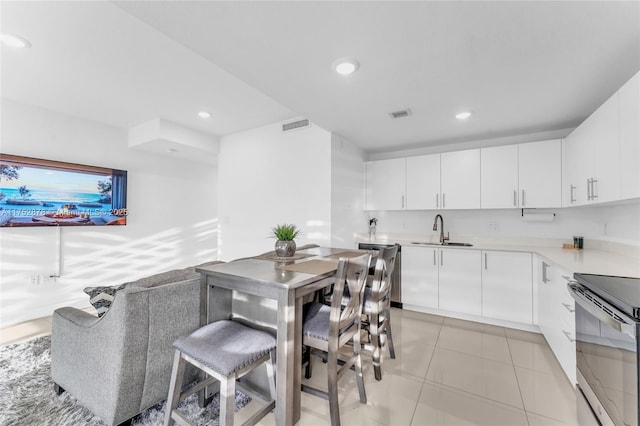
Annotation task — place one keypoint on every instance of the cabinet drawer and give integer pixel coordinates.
(562, 343)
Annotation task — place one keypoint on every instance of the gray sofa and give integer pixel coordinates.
(119, 364)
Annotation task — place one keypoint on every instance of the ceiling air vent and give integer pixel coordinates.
(293, 125)
(400, 114)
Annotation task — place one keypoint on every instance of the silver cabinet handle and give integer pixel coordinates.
(568, 336)
(443, 200)
(434, 257)
(403, 201)
(571, 198)
(485, 261)
(544, 272)
(522, 200)
(441, 258)
(593, 188)
(568, 307)
(515, 198)
(437, 201)
(589, 189)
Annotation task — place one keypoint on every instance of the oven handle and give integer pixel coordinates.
(626, 326)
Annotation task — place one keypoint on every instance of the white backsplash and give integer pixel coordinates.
(613, 223)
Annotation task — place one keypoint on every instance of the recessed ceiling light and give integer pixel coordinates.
(15, 41)
(463, 115)
(346, 66)
(172, 150)
(204, 114)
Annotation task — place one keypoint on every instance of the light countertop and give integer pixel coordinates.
(596, 258)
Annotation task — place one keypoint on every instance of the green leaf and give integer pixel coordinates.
(285, 232)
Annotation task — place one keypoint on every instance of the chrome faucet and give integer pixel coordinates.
(435, 228)
(372, 228)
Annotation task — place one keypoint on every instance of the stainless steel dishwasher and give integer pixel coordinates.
(396, 287)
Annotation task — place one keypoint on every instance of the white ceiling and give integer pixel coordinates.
(520, 67)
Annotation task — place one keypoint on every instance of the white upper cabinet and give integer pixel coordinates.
(577, 157)
(423, 182)
(592, 158)
(499, 177)
(605, 138)
(525, 175)
(385, 184)
(601, 157)
(540, 174)
(460, 179)
(629, 99)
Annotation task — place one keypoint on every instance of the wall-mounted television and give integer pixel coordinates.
(35, 192)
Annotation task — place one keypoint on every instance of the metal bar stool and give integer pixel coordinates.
(329, 328)
(225, 350)
(377, 309)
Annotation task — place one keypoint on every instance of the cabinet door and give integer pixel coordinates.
(577, 168)
(420, 277)
(460, 286)
(556, 317)
(385, 180)
(460, 179)
(606, 142)
(499, 177)
(423, 182)
(507, 291)
(545, 297)
(540, 173)
(629, 99)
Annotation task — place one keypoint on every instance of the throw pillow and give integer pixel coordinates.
(102, 297)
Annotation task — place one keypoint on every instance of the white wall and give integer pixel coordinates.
(267, 177)
(347, 193)
(172, 219)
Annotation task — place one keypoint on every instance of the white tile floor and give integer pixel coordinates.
(447, 372)
(452, 372)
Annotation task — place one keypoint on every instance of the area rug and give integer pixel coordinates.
(27, 396)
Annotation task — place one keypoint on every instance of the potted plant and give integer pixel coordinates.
(285, 235)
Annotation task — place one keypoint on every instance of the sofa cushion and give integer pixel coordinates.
(162, 278)
(102, 297)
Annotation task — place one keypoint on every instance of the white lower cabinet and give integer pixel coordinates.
(439, 278)
(496, 285)
(420, 276)
(507, 290)
(460, 284)
(556, 313)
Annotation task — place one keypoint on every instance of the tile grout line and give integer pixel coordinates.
(513, 364)
(424, 379)
(492, 360)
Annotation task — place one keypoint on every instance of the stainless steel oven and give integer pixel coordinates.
(607, 329)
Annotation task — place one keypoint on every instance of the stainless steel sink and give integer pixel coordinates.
(448, 243)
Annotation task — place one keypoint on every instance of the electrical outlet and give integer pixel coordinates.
(34, 279)
(494, 226)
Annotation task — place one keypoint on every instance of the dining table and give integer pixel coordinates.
(270, 291)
